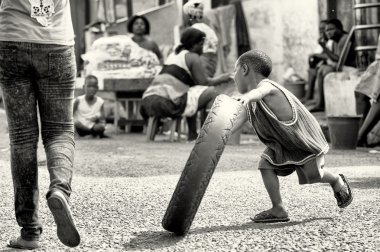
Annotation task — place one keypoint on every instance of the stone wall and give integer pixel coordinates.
(287, 30)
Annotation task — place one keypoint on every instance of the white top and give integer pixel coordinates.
(36, 21)
(179, 60)
(85, 112)
(211, 41)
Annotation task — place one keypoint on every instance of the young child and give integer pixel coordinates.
(89, 110)
(293, 137)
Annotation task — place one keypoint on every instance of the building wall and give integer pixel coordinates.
(287, 30)
(162, 21)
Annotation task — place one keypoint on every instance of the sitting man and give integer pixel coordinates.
(334, 31)
(89, 116)
(315, 61)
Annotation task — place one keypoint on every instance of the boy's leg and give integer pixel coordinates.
(340, 186)
(56, 96)
(321, 74)
(313, 172)
(272, 185)
(20, 105)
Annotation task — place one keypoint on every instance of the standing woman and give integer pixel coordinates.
(182, 87)
(37, 68)
(193, 10)
(140, 28)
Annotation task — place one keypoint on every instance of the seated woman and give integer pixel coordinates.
(182, 87)
(140, 28)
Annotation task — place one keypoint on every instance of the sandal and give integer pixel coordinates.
(267, 217)
(20, 243)
(342, 197)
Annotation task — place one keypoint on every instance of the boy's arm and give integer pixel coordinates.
(257, 94)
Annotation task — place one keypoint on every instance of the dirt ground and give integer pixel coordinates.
(129, 155)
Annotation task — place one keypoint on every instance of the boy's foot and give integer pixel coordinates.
(344, 195)
(268, 217)
(66, 230)
(20, 243)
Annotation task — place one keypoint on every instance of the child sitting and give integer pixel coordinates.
(89, 110)
(293, 137)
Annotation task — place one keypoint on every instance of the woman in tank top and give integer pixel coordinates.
(182, 87)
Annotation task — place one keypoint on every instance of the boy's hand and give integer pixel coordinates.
(242, 98)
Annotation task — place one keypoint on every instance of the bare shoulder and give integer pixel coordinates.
(192, 58)
(278, 103)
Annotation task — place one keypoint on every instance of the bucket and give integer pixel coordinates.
(343, 131)
(297, 88)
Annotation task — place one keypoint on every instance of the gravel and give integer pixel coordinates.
(122, 186)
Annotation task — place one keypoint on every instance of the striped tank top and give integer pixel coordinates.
(288, 142)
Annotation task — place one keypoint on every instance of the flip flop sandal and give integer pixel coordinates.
(266, 217)
(342, 197)
(16, 245)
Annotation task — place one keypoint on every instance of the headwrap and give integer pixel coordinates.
(190, 36)
(193, 8)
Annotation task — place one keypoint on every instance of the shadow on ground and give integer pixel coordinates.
(366, 183)
(156, 240)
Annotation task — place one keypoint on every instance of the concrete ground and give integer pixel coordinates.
(122, 186)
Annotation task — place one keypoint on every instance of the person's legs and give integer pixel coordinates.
(338, 183)
(372, 118)
(312, 75)
(321, 74)
(98, 129)
(272, 186)
(56, 93)
(56, 71)
(19, 95)
(206, 99)
(81, 129)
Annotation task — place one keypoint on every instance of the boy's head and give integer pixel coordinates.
(250, 68)
(91, 86)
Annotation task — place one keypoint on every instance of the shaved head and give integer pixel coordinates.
(258, 61)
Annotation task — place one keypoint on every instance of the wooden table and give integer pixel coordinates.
(129, 93)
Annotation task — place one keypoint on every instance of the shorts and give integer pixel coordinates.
(155, 105)
(308, 173)
(192, 100)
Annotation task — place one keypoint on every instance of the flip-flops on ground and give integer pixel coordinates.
(20, 243)
(267, 217)
(344, 198)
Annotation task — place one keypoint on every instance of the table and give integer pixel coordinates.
(129, 93)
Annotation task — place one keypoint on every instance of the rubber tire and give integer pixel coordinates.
(201, 164)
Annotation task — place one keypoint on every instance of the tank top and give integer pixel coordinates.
(36, 21)
(288, 142)
(169, 84)
(85, 111)
(178, 60)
